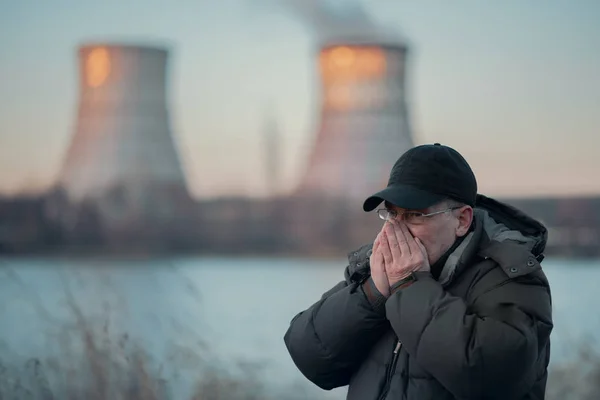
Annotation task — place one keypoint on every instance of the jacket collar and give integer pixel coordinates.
(502, 233)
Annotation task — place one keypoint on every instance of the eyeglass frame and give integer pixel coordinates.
(421, 215)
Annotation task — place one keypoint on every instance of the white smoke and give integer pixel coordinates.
(336, 20)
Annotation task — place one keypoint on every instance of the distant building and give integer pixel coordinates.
(122, 153)
(364, 124)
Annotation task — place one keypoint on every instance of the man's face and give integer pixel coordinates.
(437, 232)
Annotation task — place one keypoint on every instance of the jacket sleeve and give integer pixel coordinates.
(486, 351)
(329, 340)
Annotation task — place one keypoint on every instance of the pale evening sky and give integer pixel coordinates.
(514, 85)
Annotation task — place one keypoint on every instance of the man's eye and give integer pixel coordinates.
(412, 214)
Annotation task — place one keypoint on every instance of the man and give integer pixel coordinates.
(449, 302)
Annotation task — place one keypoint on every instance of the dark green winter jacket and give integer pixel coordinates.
(480, 331)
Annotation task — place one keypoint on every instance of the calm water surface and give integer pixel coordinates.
(187, 312)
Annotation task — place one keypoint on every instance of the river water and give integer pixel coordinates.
(229, 312)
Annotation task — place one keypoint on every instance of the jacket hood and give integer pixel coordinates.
(503, 233)
(503, 222)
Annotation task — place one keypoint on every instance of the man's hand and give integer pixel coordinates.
(402, 253)
(378, 274)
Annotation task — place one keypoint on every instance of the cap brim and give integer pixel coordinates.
(403, 196)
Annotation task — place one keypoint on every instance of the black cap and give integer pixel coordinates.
(426, 175)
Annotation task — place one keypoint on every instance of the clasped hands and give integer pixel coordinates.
(396, 254)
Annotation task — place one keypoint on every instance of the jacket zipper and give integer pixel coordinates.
(390, 370)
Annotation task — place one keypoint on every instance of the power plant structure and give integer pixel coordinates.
(364, 123)
(271, 146)
(122, 147)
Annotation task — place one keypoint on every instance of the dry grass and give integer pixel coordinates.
(96, 363)
(578, 379)
(120, 370)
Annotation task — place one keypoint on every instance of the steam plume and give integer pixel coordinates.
(336, 20)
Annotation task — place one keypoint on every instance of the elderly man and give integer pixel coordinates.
(449, 302)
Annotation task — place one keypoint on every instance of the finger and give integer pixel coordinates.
(422, 248)
(376, 246)
(383, 226)
(386, 249)
(377, 241)
(378, 274)
(393, 242)
(410, 241)
(377, 238)
(403, 236)
(377, 264)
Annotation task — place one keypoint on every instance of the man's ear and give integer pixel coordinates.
(465, 218)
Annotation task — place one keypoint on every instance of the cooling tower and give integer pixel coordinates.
(364, 125)
(122, 139)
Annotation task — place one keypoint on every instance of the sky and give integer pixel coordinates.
(513, 85)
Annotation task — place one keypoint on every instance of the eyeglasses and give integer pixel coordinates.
(411, 217)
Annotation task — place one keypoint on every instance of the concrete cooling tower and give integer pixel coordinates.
(122, 139)
(364, 125)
